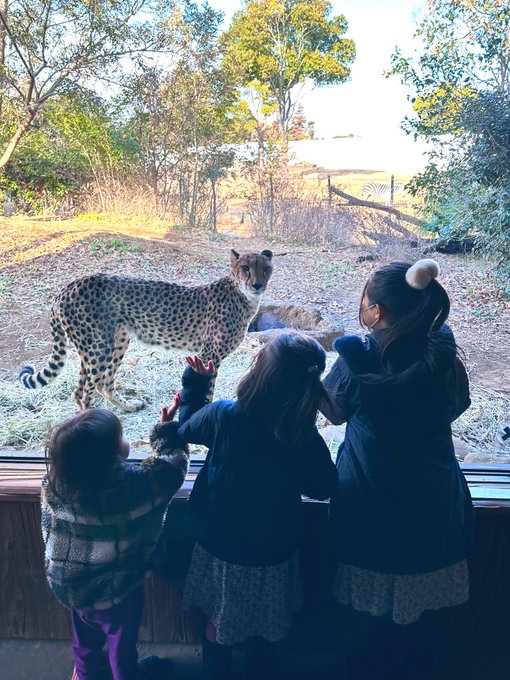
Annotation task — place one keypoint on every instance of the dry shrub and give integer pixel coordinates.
(299, 213)
(296, 210)
(381, 236)
(310, 220)
(122, 199)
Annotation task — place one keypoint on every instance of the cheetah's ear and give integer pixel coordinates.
(234, 256)
(268, 254)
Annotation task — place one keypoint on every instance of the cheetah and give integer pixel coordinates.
(100, 313)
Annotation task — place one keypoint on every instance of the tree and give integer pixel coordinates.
(461, 81)
(50, 45)
(466, 50)
(298, 128)
(184, 117)
(283, 43)
(73, 142)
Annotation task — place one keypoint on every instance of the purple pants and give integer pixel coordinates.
(118, 627)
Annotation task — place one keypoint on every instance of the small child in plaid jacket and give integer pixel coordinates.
(101, 520)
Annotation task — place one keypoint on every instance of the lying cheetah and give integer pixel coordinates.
(99, 313)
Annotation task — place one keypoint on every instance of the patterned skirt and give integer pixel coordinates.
(241, 601)
(403, 597)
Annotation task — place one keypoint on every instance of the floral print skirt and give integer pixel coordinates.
(241, 601)
(403, 597)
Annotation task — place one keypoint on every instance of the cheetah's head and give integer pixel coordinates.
(252, 272)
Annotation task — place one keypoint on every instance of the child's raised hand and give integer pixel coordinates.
(168, 412)
(199, 367)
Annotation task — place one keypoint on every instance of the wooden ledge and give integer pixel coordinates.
(22, 482)
(489, 484)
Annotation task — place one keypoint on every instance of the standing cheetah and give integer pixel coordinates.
(99, 313)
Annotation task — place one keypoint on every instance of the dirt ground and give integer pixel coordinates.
(38, 257)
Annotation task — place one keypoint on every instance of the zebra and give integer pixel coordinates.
(381, 190)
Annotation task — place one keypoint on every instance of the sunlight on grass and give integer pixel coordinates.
(23, 239)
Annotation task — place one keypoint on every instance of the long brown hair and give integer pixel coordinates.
(81, 452)
(283, 388)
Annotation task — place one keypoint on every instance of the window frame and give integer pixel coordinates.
(477, 475)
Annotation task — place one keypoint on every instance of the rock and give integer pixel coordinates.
(487, 458)
(264, 322)
(476, 457)
(453, 246)
(461, 448)
(9, 208)
(365, 258)
(272, 318)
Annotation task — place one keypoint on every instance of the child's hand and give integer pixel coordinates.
(199, 367)
(168, 412)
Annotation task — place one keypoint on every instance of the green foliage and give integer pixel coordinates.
(113, 245)
(54, 45)
(4, 281)
(215, 236)
(465, 51)
(183, 119)
(462, 105)
(73, 142)
(332, 275)
(282, 43)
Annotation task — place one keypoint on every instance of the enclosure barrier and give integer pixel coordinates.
(29, 610)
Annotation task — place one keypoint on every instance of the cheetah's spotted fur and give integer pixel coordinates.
(99, 313)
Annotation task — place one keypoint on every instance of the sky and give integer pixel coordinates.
(368, 105)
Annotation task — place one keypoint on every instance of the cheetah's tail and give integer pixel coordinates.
(32, 379)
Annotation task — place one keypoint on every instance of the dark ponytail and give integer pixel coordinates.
(80, 454)
(414, 338)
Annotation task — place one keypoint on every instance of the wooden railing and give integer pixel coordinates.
(29, 610)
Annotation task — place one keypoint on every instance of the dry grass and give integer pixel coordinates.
(148, 373)
(154, 375)
(26, 239)
(478, 426)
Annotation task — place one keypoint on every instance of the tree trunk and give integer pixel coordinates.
(3, 34)
(281, 117)
(15, 140)
(213, 205)
(194, 192)
(353, 200)
(271, 204)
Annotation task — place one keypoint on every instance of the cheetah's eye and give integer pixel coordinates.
(245, 268)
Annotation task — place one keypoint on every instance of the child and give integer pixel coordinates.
(264, 452)
(101, 520)
(402, 515)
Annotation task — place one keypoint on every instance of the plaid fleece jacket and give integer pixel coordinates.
(94, 559)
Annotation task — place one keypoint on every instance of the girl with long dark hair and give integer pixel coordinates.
(264, 452)
(402, 515)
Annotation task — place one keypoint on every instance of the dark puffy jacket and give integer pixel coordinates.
(246, 500)
(402, 505)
